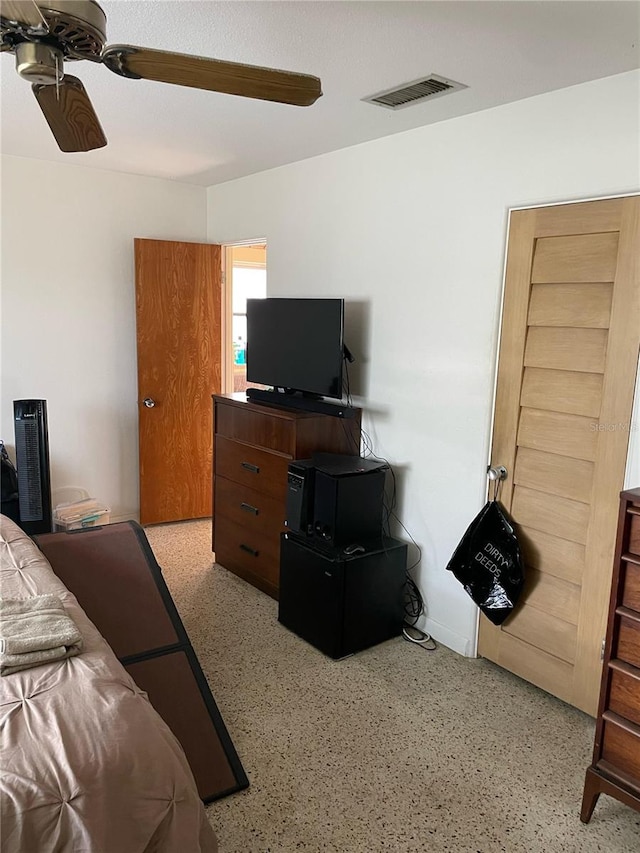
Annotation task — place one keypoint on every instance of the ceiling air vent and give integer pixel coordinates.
(413, 93)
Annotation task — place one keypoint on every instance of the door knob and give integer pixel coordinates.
(497, 473)
(149, 403)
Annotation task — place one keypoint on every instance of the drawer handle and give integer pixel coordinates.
(249, 550)
(249, 508)
(249, 467)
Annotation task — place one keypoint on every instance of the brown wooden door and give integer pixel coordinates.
(566, 376)
(178, 316)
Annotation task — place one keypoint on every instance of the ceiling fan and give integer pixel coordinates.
(44, 35)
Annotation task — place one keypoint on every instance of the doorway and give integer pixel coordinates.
(191, 338)
(245, 276)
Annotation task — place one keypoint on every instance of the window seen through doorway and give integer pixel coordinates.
(248, 280)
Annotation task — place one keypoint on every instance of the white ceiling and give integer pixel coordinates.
(503, 51)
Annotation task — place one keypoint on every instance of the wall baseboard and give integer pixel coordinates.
(132, 516)
(441, 634)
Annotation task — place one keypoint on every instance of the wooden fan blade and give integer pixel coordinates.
(215, 75)
(23, 12)
(70, 115)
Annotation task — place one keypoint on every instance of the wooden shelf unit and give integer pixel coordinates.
(253, 445)
(615, 769)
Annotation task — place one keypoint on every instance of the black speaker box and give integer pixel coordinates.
(348, 502)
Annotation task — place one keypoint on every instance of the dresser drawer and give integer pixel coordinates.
(621, 746)
(251, 509)
(634, 531)
(263, 429)
(628, 646)
(252, 555)
(631, 588)
(258, 469)
(624, 693)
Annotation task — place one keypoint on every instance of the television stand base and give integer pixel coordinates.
(306, 404)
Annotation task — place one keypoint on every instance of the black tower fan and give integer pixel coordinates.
(32, 462)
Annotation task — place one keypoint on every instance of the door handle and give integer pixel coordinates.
(149, 403)
(497, 473)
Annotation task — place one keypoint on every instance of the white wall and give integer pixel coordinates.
(68, 310)
(411, 230)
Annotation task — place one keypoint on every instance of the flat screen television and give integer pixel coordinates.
(296, 344)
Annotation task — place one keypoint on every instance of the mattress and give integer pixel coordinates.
(88, 764)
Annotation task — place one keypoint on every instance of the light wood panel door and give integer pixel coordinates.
(178, 325)
(566, 377)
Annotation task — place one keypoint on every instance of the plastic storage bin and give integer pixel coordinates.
(85, 513)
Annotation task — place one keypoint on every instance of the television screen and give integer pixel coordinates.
(296, 344)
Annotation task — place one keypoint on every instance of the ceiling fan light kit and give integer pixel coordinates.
(45, 35)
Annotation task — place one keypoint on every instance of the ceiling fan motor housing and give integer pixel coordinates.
(39, 63)
(78, 28)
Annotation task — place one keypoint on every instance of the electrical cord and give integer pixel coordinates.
(414, 608)
(346, 393)
(345, 380)
(426, 641)
(414, 602)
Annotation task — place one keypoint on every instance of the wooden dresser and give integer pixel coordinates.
(615, 769)
(253, 445)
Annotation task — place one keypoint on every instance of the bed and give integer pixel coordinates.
(88, 764)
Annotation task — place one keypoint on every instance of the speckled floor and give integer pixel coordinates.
(394, 749)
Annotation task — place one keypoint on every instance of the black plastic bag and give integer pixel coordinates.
(9, 503)
(9, 481)
(488, 563)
